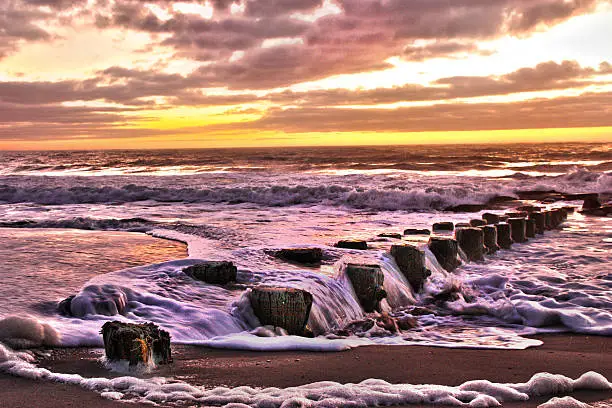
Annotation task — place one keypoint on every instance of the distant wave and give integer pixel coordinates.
(272, 196)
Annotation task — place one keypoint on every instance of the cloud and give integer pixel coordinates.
(441, 49)
(588, 110)
(359, 38)
(134, 88)
(254, 52)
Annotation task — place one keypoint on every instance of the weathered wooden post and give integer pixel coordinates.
(591, 202)
(490, 238)
(569, 209)
(471, 241)
(504, 235)
(392, 235)
(301, 255)
(557, 217)
(491, 218)
(530, 228)
(443, 227)
(136, 343)
(417, 231)
(548, 219)
(477, 223)
(368, 283)
(288, 308)
(446, 251)
(540, 221)
(352, 244)
(503, 218)
(518, 227)
(411, 261)
(517, 214)
(529, 209)
(214, 272)
(462, 225)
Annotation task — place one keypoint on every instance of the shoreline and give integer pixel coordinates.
(568, 354)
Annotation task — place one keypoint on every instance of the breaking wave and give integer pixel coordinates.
(336, 195)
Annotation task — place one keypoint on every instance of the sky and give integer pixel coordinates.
(114, 74)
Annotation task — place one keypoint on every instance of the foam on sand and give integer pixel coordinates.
(480, 393)
(27, 332)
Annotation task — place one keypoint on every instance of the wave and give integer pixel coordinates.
(272, 196)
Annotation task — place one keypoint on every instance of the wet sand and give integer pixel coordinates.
(38, 267)
(570, 355)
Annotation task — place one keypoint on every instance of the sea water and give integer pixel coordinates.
(240, 205)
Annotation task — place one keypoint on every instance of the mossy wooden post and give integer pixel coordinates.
(504, 235)
(471, 241)
(518, 226)
(214, 272)
(368, 284)
(411, 261)
(540, 221)
(136, 343)
(490, 238)
(491, 218)
(530, 228)
(288, 308)
(445, 226)
(446, 251)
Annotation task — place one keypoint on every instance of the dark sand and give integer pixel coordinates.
(570, 355)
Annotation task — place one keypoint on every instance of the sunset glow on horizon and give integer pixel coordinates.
(113, 74)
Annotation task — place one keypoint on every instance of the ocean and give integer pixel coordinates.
(241, 205)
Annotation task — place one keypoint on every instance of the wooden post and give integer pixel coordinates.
(530, 228)
(549, 220)
(471, 241)
(491, 218)
(504, 235)
(368, 283)
(490, 238)
(288, 308)
(518, 227)
(136, 343)
(411, 261)
(417, 231)
(443, 227)
(540, 221)
(213, 272)
(446, 251)
(352, 244)
(301, 255)
(477, 223)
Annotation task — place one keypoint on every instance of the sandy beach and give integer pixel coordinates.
(570, 355)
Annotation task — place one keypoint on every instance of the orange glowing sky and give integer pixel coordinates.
(96, 74)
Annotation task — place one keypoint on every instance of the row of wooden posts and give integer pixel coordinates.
(289, 308)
